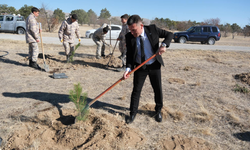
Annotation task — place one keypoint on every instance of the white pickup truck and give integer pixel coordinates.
(12, 23)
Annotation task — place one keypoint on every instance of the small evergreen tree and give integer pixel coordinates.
(73, 53)
(58, 13)
(82, 16)
(25, 10)
(104, 14)
(80, 101)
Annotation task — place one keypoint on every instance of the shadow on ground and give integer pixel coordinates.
(55, 99)
(244, 136)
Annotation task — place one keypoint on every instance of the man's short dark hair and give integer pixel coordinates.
(134, 19)
(106, 29)
(34, 9)
(125, 16)
(74, 16)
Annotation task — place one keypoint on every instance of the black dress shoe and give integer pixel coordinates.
(130, 119)
(158, 117)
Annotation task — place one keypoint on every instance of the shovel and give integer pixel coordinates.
(88, 105)
(46, 67)
(112, 53)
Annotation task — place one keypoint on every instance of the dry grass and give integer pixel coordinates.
(203, 115)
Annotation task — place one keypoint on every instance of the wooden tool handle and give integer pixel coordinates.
(40, 31)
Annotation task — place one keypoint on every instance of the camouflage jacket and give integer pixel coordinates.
(32, 29)
(99, 35)
(124, 31)
(68, 30)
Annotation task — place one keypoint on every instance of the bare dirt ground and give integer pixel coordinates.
(202, 109)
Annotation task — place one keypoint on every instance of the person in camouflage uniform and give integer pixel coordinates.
(67, 33)
(99, 39)
(122, 43)
(32, 37)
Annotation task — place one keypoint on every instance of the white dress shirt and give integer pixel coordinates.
(147, 49)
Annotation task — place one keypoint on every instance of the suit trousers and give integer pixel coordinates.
(154, 73)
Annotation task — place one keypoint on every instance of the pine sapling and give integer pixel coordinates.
(80, 101)
(73, 53)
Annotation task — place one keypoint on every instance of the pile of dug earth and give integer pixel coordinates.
(243, 77)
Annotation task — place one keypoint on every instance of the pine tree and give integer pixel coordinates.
(80, 101)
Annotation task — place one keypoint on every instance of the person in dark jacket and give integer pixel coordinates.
(142, 42)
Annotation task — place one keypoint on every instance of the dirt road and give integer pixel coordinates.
(191, 45)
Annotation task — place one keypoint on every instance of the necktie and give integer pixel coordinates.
(142, 52)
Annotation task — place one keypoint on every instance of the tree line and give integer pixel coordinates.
(51, 20)
(184, 25)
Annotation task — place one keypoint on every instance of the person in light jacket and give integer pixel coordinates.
(67, 32)
(99, 39)
(32, 37)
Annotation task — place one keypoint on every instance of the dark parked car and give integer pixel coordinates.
(205, 34)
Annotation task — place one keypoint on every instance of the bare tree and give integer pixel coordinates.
(159, 22)
(212, 21)
(146, 21)
(102, 21)
(184, 25)
(115, 20)
(47, 18)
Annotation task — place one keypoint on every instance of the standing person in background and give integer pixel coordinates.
(142, 42)
(122, 44)
(99, 39)
(67, 33)
(32, 37)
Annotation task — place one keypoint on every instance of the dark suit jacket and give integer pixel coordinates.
(153, 34)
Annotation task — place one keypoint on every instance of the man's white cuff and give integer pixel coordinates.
(128, 69)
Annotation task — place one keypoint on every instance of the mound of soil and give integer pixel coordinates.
(243, 77)
(184, 142)
(46, 131)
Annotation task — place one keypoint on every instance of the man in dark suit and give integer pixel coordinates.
(145, 38)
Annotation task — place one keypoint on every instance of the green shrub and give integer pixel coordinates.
(241, 89)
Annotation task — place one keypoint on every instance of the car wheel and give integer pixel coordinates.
(203, 42)
(90, 36)
(182, 40)
(211, 41)
(20, 31)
